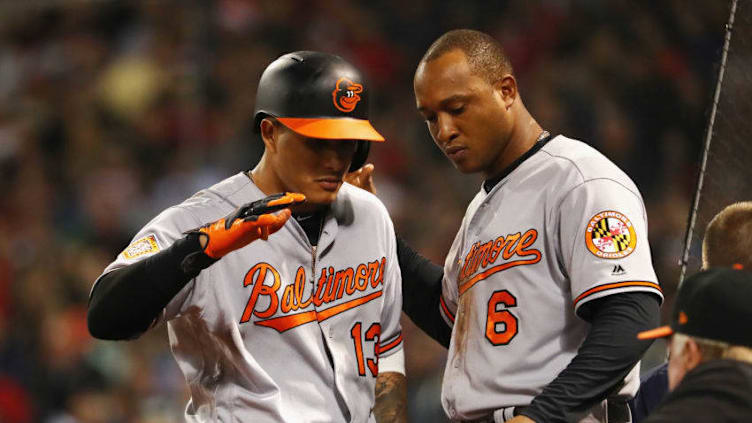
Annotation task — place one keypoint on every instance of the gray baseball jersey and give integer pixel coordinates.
(280, 330)
(563, 228)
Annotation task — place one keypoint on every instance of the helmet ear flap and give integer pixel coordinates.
(360, 156)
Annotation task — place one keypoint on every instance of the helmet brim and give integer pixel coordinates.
(333, 128)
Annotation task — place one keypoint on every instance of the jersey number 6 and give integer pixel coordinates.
(501, 324)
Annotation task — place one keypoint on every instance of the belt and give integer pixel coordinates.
(499, 416)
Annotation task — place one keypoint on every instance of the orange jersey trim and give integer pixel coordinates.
(480, 276)
(616, 285)
(283, 323)
(446, 309)
(332, 311)
(389, 345)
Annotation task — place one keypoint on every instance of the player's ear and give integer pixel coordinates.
(691, 354)
(506, 88)
(269, 131)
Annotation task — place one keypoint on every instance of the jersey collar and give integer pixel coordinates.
(543, 139)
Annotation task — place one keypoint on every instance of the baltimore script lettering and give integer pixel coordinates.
(482, 255)
(332, 286)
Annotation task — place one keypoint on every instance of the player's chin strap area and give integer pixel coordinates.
(499, 416)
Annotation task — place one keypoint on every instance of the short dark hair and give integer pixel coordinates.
(484, 54)
(728, 238)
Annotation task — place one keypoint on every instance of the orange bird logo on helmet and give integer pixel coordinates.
(345, 95)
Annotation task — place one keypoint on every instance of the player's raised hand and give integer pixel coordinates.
(362, 178)
(248, 223)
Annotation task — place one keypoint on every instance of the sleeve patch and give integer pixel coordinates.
(143, 246)
(610, 235)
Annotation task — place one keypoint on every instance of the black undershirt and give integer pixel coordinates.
(312, 225)
(125, 302)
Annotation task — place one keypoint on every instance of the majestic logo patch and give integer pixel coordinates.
(610, 235)
(345, 95)
(618, 270)
(145, 245)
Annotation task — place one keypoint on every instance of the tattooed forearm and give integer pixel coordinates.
(391, 398)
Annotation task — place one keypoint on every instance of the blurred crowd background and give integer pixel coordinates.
(110, 111)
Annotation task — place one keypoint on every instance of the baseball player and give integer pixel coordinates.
(305, 326)
(549, 277)
(727, 243)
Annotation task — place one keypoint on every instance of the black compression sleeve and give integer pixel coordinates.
(608, 353)
(421, 290)
(125, 302)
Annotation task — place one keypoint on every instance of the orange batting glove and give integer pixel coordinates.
(248, 223)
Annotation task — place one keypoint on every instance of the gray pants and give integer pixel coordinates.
(614, 410)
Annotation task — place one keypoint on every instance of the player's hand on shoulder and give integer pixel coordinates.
(362, 178)
(249, 222)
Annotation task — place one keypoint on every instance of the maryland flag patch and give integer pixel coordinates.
(610, 235)
(145, 245)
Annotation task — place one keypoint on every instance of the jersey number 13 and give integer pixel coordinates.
(372, 336)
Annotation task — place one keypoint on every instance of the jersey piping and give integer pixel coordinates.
(445, 310)
(616, 285)
(389, 345)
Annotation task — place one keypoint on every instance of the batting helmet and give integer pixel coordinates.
(317, 95)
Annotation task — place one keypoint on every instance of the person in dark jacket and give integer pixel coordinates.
(727, 242)
(710, 355)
